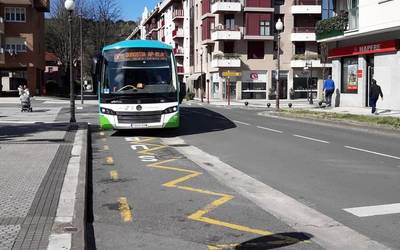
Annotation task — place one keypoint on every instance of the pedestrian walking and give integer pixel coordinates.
(329, 88)
(374, 93)
(26, 91)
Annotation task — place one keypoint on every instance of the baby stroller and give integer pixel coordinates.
(25, 103)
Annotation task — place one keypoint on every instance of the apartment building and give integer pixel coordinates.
(363, 45)
(22, 44)
(169, 23)
(238, 36)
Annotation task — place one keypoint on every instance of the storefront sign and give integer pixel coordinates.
(359, 73)
(372, 48)
(230, 73)
(254, 76)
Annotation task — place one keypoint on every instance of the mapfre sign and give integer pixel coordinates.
(372, 48)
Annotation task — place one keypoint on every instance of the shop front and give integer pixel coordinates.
(355, 66)
(254, 84)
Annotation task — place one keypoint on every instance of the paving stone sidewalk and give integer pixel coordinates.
(34, 152)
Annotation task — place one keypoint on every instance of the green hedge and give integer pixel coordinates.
(332, 26)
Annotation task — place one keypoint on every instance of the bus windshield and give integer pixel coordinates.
(138, 71)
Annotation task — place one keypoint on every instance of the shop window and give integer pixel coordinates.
(255, 50)
(349, 82)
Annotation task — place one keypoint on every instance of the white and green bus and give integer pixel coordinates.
(138, 86)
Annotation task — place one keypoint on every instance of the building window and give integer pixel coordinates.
(15, 45)
(255, 50)
(300, 48)
(327, 9)
(349, 75)
(14, 14)
(264, 28)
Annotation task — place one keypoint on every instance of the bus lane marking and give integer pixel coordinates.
(125, 209)
(114, 175)
(109, 160)
(200, 215)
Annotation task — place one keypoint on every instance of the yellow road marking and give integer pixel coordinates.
(155, 148)
(114, 175)
(109, 160)
(125, 210)
(106, 148)
(200, 214)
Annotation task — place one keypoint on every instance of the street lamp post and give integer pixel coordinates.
(70, 6)
(308, 67)
(80, 26)
(279, 28)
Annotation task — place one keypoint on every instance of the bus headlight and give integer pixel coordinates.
(170, 110)
(107, 111)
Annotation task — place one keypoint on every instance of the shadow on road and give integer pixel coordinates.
(274, 241)
(194, 120)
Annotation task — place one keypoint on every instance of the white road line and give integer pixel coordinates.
(311, 139)
(374, 210)
(244, 123)
(372, 152)
(328, 233)
(270, 129)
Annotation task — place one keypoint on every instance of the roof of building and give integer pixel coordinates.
(50, 57)
(138, 44)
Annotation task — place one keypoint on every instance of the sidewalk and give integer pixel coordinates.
(300, 104)
(36, 159)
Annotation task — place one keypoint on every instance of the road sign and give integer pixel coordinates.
(231, 73)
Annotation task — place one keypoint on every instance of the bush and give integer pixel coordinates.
(336, 23)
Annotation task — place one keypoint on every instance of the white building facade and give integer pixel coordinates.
(367, 48)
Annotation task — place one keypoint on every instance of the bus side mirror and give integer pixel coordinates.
(182, 91)
(96, 68)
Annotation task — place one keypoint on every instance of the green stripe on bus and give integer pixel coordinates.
(105, 123)
(173, 122)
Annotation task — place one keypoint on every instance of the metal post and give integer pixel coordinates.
(277, 73)
(81, 59)
(201, 77)
(228, 87)
(71, 82)
(208, 91)
(311, 97)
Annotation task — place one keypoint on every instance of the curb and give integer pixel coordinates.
(69, 228)
(338, 124)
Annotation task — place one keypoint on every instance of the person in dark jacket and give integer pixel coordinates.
(374, 93)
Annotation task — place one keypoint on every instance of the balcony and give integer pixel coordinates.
(303, 34)
(225, 61)
(258, 6)
(300, 60)
(219, 6)
(1, 25)
(332, 27)
(223, 32)
(178, 52)
(180, 70)
(178, 14)
(306, 7)
(177, 33)
(267, 36)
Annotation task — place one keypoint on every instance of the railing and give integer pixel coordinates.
(268, 32)
(304, 30)
(180, 69)
(258, 4)
(178, 51)
(178, 13)
(331, 27)
(307, 2)
(305, 57)
(177, 32)
(226, 28)
(225, 56)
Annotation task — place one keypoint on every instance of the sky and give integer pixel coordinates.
(132, 9)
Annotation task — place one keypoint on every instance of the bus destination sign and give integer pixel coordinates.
(140, 55)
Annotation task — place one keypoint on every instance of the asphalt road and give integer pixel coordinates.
(325, 168)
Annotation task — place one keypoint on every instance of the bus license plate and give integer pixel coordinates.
(139, 125)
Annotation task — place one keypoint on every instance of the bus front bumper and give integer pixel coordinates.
(167, 121)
